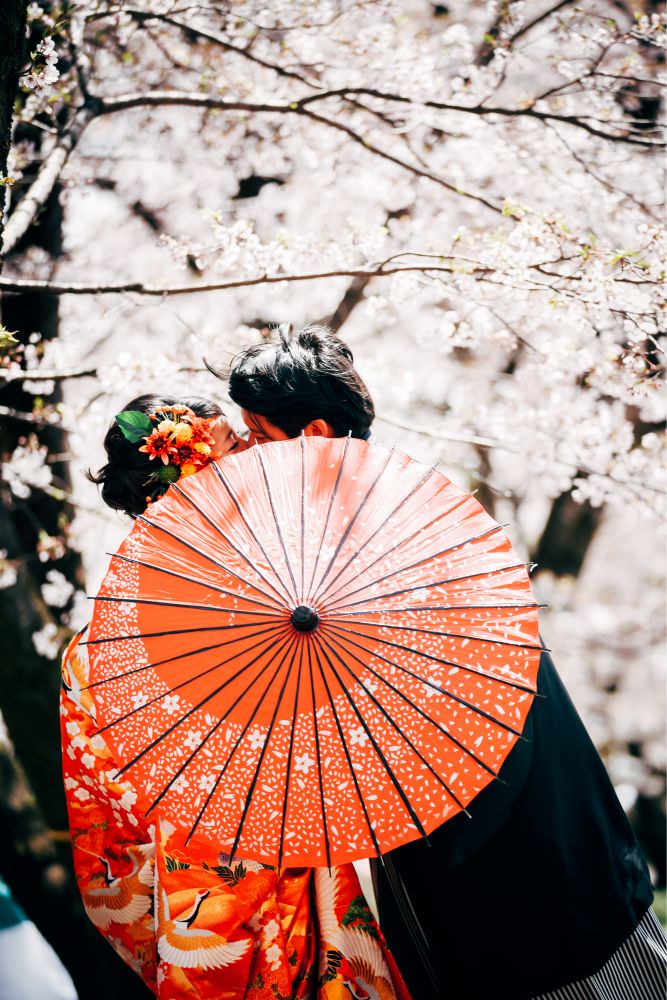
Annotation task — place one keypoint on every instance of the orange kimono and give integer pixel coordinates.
(197, 926)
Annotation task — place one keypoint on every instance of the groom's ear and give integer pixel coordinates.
(319, 428)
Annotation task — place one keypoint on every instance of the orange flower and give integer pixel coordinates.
(182, 433)
(180, 439)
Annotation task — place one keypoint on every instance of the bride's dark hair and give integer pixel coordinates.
(123, 479)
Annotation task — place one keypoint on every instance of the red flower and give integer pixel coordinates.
(181, 438)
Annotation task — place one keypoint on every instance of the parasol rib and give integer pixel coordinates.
(277, 524)
(208, 735)
(290, 752)
(192, 709)
(180, 604)
(346, 534)
(302, 440)
(430, 586)
(387, 519)
(168, 632)
(286, 651)
(253, 782)
(443, 729)
(188, 545)
(178, 656)
(448, 694)
(404, 737)
(196, 750)
(404, 569)
(239, 552)
(399, 788)
(234, 499)
(437, 659)
(201, 583)
(318, 752)
(334, 494)
(346, 751)
(405, 541)
(444, 607)
(447, 635)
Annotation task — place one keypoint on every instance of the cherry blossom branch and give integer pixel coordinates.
(91, 288)
(35, 419)
(446, 264)
(187, 99)
(40, 190)
(124, 102)
(171, 98)
(597, 177)
(482, 110)
(45, 375)
(397, 161)
(144, 16)
(486, 50)
(213, 37)
(529, 25)
(481, 442)
(26, 212)
(25, 375)
(439, 435)
(354, 294)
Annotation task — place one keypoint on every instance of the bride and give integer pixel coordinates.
(193, 924)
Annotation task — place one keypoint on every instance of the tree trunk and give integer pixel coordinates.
(38, 867)
(12, 35)
(567, 536)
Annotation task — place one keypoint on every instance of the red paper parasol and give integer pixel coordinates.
(313, 652)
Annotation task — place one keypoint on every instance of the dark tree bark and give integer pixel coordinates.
(12, 43)
(37, 865)
(567, 536)
(12, 35)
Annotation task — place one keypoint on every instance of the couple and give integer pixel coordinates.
(543, 893)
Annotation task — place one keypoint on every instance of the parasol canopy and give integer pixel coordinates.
(312, 652)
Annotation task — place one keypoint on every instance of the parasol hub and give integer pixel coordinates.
(304, 618)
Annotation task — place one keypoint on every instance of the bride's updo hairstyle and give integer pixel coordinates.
(123, 478)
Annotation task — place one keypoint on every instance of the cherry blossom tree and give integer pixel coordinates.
(470, 193)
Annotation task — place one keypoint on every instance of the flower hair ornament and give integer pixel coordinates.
(182, 441)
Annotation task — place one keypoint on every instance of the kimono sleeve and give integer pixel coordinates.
(112, 844)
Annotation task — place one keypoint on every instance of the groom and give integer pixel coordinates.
(306, 382)
(545, 886)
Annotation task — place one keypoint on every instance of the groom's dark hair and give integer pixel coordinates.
(301, 377)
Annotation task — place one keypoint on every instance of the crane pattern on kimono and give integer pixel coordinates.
(213, 930)
(123, 898)
(180, 942)
(372, 979)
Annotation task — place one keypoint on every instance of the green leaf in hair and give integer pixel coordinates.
(134, 425)
(166, 474)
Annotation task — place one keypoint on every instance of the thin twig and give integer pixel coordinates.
(162, 291)
(210, 36)
(24, 417)
(7, 378)
(440, 435)
(482, 110)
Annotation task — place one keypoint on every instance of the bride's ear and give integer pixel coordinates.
(319, 428)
